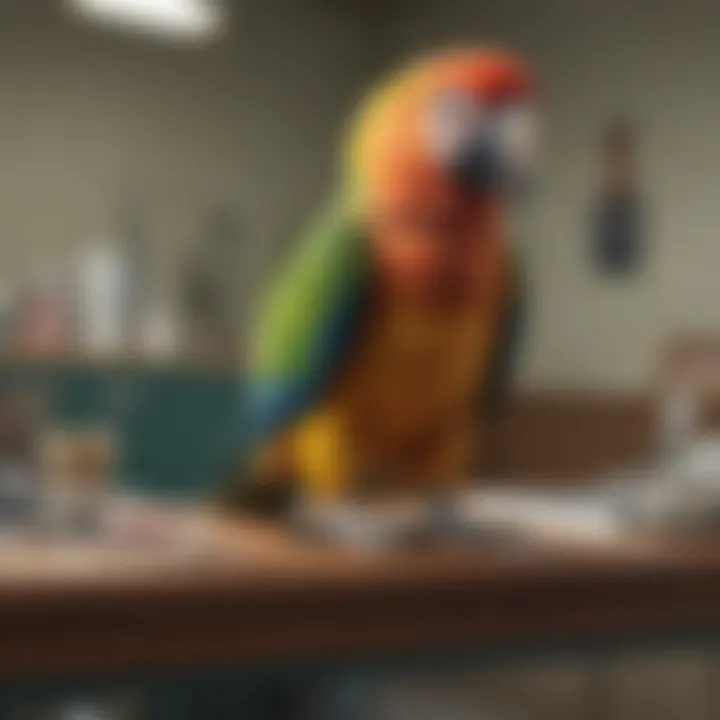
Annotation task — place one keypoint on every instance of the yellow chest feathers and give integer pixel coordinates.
(413, 371)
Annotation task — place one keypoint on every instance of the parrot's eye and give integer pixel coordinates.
(454, 121)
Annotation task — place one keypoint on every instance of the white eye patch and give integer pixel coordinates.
(454, 122)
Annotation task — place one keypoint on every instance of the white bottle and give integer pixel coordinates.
(104, 286)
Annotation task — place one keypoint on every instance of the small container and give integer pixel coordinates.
(78, 469)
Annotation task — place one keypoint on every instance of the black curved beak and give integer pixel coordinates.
(479, 168)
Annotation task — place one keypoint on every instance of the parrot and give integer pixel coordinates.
(391, 331)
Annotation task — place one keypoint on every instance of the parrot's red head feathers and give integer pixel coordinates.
(492, 76)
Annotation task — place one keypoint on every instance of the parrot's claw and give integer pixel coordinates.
(353, 525)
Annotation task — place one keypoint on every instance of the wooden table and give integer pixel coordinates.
(259, 596)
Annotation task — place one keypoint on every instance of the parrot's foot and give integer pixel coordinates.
(359, 525)
(272, 499)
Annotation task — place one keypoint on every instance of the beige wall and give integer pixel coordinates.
(657, 60)
(251, 121)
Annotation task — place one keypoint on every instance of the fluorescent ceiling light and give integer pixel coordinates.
(190, 20)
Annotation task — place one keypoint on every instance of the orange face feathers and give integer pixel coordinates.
(392, 141)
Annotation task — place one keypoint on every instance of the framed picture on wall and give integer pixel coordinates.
(617, 214)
